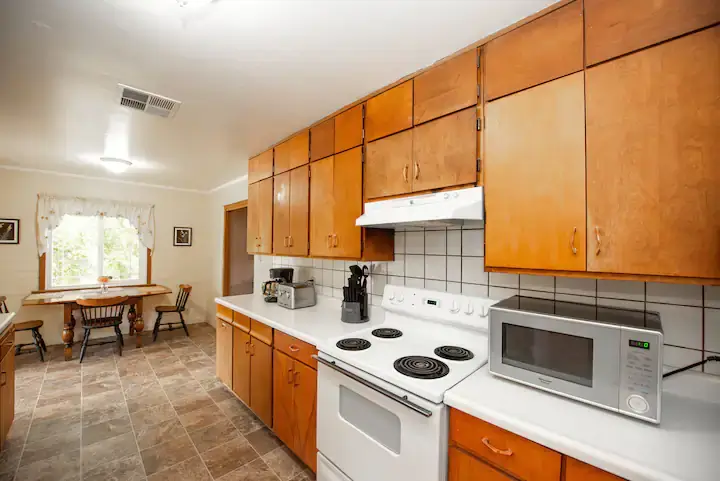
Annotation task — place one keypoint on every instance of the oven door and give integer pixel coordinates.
(370, 431)
(577, 359)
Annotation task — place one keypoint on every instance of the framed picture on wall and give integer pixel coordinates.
(182, 236)
(9, 231)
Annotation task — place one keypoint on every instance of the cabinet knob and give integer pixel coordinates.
(293, 348)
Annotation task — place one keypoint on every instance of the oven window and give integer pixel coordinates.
(554, 354)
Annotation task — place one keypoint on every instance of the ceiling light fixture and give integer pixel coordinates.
(115, 165)
(194, 3)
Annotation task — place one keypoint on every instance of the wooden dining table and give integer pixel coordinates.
(68, 299)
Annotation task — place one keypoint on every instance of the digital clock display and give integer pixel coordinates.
(640, 344)
(431, 302)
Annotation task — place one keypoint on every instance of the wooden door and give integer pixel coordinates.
(264, 206)
(444, 152)
(292, 153)
(322, 140)
(547, 48)
(261, 380)
(347, 204)
(281, 213)
(447, 88)
(578, 471)
(321, 206)
(349, 128)
(653, 171)
(614, 28)
(241, 365)
(224, 352)
(389, 112)
(260, 167)
(463, 467)
(304, 410)
(253, 236)
(299, 211)
(389, 166)
(283, 410)
(535, 178)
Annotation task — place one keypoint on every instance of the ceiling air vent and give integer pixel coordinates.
(150, 103)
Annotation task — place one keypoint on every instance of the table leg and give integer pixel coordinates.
(68, 334)
(136, 321)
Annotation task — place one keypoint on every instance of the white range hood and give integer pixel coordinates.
(442, 209)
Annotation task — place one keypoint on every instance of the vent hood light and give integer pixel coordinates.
(194, 3)
(115, 165)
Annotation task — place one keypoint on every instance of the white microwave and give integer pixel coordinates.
(604, 356)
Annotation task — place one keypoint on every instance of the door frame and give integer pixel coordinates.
(226, 243)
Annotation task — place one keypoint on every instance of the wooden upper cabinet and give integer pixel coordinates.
(544, 49)
(292, 153)
(241, 365)
(535, 178)
(305, 413)
(299, 211)
(252, 216)
(614, 27)
(261, 380)
(260, 167)
(349, 128)
(653, 173)
(264, 215)
(322, 140)
(389, 166)
(347, 204)
(389, 112)
(449, 87)
(578, 471)
(281, 213)
(444, 152)
(321, 206)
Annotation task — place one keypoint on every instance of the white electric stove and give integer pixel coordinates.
(380, 391)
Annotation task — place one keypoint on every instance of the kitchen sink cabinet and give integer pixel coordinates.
(241, 365)
(260, 217)
(389, 112)
(322, 140)
(290, 212)
(349, 129)
(260, 167)
(292, 153)
(224, 352)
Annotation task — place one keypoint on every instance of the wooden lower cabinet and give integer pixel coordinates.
(7, 384)
(241, 365)
(283, 397)
(578, 471)
(463, 467)
(261, 380)
(224, 352)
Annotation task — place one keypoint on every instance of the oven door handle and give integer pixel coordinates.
(398, 399)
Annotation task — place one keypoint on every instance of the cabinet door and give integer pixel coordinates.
(444, 152)
(299, 206)
(463, 467)
(349, 129)
(347, 195)
(578, 471)
(7, 392)
(253, 236)
(322, 140)
(241, 365)
(283, 411)
(544, 49)
(614, 28)
(304, 412)
(224, 352)
(388, 167)
(449, 87)
(653, 170)
(261, 380)
(260, 167)
(281, 213)
(321, 206)
(264, 211)
(389, 112)
(535, 178)
(292, 153)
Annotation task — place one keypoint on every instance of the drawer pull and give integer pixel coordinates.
(3, 378)
(405, 173)
(502, 452)
(293, 348)
(297, 375)
(572, 242)
(247, 347)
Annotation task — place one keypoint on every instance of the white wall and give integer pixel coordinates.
(170, 265)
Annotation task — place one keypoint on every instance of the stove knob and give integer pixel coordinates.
(469, 309)
(455, 307)
(391, 295)
(401, 298)
(446, 196)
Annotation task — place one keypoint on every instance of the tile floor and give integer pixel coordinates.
(156, 413)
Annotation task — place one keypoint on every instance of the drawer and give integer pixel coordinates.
(578, 471)
(463, 467)
(224, 313)
(7, 342)
(295, 348)
(507, 451)
(241, 321)
(261, 332)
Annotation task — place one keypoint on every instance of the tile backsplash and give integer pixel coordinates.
(452, 260)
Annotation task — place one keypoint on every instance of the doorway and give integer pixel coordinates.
(238, 265)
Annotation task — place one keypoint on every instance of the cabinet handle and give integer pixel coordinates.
(597, 236)
(334, 236)
(405, 173)
(417, 170)
(297, 375)
(247, 347)
(3, 378)
(252, 349)
(290, 242)
(293, 348)
(285, 241)
(290, 376)
(572, 242)
(502, 452)
(329, 241)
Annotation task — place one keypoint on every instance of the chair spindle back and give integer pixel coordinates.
(182, 297)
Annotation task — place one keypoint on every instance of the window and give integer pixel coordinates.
(82, 248)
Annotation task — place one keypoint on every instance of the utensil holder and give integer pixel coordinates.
(352, 312)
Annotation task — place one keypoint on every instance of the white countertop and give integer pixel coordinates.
(313, 325)
(684, 447)
(5, 320)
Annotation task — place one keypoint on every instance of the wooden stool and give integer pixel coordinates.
(32, 326)
(179, 307)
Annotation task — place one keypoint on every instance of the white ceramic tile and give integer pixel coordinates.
(327, 291)
(682, 326)
(621, 303)
(276, 261)
(338, 279)
(397, 267)
(682, 294)
(713, 368)
(712, 296)
(474, 224)
(474, 290)
(396, 280)
(352, 263)
(378, 284)
(414, 243)
(435, 267)
(454, 242)
(537, 283)
(473, 270)
(454, 268)
(455, 287)
(338, 265)
(500, 279)
(473, 242)
(435, 242)
(630, 290)
(434, 285)
(304, 262)
(414, 282)
(399, 243)
(712, 330)
(537, 294)
(577, 286)
(337, 293)
(328, 264)
(675, 357)
(376, 300)
(414, 265)
(502, 292)
(317, 263)
(379, 268)
(327, 276)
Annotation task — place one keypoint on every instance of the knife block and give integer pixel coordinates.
(355, 312)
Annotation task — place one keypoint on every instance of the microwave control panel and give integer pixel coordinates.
(641, 374)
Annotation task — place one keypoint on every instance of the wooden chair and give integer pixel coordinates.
(99, 313)
(179, 307)
(33, 327)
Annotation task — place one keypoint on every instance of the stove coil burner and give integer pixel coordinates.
(387, 333)
(454, 353)
(421, 367)
(353, 344)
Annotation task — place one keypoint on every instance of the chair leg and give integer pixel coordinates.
(182, 320)
(84, 345)
(36, 341)
(156, 327)
(118, 334)
(42, 341)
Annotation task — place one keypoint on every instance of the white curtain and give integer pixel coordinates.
(52, 208)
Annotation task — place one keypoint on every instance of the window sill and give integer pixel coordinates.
(110, 286)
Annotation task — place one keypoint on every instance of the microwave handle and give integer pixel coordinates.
(399, 399)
